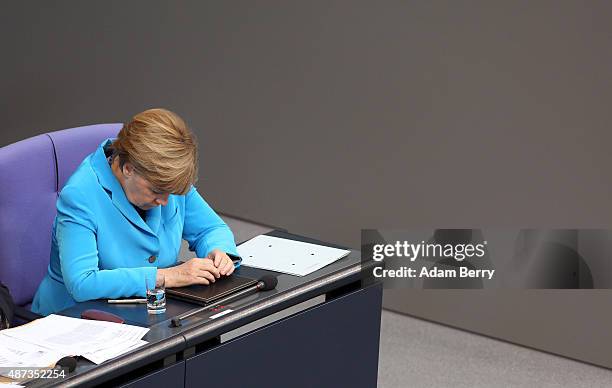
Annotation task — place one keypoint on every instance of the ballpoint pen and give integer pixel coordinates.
(122, 301)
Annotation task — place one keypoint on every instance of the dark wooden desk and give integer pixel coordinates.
(330, 344)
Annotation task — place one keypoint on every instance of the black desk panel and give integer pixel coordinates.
(171, 376)
(334, 344)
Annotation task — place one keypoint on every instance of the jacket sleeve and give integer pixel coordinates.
(78, 252)
(204, 230)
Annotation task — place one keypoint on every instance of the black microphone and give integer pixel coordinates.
(269, 283)
(67, 362)
(264, 284)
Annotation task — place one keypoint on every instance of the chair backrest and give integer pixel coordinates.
(32, 172)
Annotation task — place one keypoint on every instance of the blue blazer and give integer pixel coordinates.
(102, 248)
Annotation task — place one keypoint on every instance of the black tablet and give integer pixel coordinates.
(205, 295)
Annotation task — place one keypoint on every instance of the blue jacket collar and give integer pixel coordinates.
(108, 180)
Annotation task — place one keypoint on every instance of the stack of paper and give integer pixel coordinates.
(43, 342)
(11, 384)
(288, 256)
(21, 354)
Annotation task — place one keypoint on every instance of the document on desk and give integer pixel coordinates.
(287, 256)
(102, 355)
(95, 340)
(21, 354)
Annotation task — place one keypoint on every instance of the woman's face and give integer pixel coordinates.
(140, 192)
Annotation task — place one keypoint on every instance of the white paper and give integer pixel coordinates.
(288, 256)
(21, 354)
(102, 355)
(76, 337)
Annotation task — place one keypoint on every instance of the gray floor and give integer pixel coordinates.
(417, 353)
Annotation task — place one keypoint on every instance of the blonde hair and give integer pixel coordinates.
(162, 149)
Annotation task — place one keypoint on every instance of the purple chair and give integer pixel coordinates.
(32, 173)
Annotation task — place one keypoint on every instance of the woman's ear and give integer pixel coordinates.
(128, 169)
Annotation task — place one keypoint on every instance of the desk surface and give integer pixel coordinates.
(165, 340)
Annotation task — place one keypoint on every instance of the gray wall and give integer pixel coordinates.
(329, 117)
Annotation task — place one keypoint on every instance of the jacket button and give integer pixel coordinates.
(152, 259)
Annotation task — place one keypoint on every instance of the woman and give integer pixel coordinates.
(122, 214)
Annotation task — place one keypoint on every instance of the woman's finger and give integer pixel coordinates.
(229, 268)
(210, 267)
(207, 275)
(216, 257)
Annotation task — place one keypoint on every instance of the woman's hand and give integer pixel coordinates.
(222, 262)
(194, 271)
